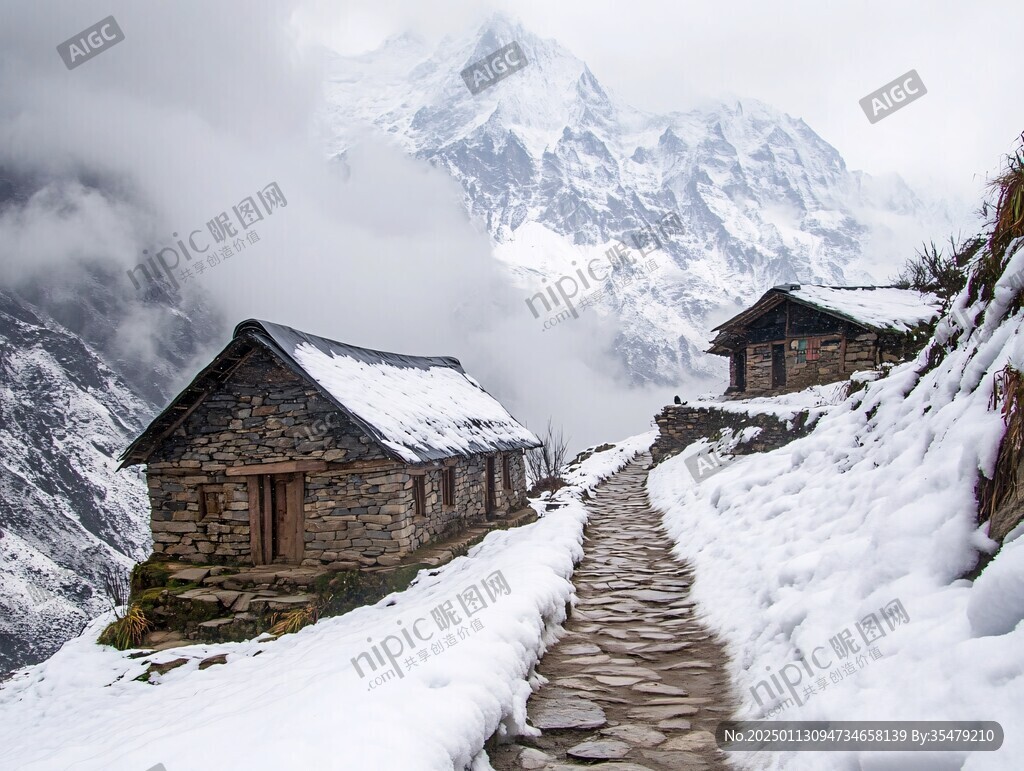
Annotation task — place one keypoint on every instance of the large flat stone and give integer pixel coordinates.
(565, 710)
(599, 749)
(191, 575)
(617, 681)
(531, 759)
(662, 712)
(660, 689)
(691, 742)
(675, 724)
(638, 735)
(579, 649)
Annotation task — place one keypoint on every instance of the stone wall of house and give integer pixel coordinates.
(680, 425)
(828, 367)
(352, 518)
(264, 413)
(833, 363)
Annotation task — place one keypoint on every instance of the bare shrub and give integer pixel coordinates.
(116, 587)
(544, 464)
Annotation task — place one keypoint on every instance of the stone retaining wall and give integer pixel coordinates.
(680, 425)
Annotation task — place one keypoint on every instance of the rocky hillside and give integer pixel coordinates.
(560, 171)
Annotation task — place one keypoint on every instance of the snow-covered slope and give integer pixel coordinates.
(800, 553)
(560, 171)
(301, 701)
(85, 360)
(64, 513)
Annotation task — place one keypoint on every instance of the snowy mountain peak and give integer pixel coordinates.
(554, 164)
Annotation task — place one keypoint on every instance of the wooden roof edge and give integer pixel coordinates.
(190, 397)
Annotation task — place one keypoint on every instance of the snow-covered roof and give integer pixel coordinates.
(881, 308)
(418, 408)
(878, 307)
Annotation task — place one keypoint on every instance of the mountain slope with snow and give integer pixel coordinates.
(560, 172)
(65, 516)
(839, 569)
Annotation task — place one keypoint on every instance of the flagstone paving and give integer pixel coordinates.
(636, 683)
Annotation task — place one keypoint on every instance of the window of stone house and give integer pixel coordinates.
(209, 501)
(419, 495)
(808, 349)
(813, 349)
(506, 473)
(448, 485)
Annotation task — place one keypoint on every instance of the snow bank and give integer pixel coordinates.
(323, 698)
(794, 548)
(815, 400)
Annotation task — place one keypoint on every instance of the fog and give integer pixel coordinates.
(202, 106)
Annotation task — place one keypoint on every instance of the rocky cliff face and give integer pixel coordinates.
(560, 172)
(85, 361)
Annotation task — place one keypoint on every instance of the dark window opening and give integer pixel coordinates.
(506, 473)
(419, 495)
(778, 366)
(209, 501)
(448, 485)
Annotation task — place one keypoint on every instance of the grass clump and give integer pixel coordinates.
(126, 631)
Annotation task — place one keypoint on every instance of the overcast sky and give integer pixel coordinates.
(205, 103)
(812, 59)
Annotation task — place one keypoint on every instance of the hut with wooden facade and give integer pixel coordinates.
(797, 335)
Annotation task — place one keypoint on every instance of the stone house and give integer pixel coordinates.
(797, 335)
(293, 448)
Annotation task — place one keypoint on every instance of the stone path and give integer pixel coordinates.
(636, 682)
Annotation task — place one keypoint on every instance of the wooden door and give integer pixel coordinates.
(741, 371)
(276, 519)
(777, 366)
(489, 485)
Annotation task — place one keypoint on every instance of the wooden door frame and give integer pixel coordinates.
(781, 346)
(261, 516)
(740, 365)
(490, 498)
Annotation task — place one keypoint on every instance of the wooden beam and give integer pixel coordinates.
(280, 467)
(355, 467)
(255, 521)
(297, 515)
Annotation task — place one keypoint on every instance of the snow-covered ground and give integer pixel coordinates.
(800, 553)
(391, 686)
